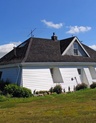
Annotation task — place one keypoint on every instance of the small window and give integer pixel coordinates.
(75, 51)
(0, 74)
(75, 48)
(51, 70)
(75, 45)
(79, 71)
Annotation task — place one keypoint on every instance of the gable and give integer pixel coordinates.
(75, 48)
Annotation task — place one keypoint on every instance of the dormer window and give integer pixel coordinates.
(75, 48)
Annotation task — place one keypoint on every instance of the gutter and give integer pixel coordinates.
(49, 64)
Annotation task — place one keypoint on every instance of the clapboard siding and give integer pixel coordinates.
(92, 72)
(10, 73)
(39, 79)
(70, 78)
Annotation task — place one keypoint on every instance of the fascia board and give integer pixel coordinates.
(49, 64)
(10, 65)
(82, 47)
(40, 64)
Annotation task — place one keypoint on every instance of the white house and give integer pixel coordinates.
(42, 63)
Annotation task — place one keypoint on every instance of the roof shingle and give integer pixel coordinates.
(45, 50)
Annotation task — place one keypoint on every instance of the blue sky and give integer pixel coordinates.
(64, 17)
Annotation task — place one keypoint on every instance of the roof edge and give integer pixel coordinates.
(28, 49)
(54, 64)
(50, 64)
(68, 46)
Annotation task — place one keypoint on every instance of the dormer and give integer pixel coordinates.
(74, 48)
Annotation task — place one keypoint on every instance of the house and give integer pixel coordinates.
(40, 64)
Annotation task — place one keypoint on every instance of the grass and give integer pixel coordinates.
(78, 107)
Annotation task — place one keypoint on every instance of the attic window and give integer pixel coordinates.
(75, 48)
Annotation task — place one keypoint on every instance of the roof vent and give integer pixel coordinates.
(54, 37)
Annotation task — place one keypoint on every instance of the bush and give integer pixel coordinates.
(3, 84)
(93, 85)
(17, 91)
(42, 92)
(51, 90)
(57, 89)
(81, 86)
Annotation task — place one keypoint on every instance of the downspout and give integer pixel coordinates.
(18, 66)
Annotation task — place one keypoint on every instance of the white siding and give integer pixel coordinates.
(39, 79)
(93, 72)
(70, 77)
(10, 73)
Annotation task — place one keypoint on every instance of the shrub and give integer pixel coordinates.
(51, 90)
(81, 86)
(2, 84)
(42, 92)
(17, 91)
(93, 85)
(57, 89)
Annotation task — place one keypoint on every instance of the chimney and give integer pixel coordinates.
(54, 37)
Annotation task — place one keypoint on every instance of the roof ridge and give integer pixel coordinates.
(27, 50)
(68, 38)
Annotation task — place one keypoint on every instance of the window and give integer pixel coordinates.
(75, 48)
(79, 71)
(51, 70)
(0, 74)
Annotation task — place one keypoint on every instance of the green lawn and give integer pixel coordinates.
(77, 107)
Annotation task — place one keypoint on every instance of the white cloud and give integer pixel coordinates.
(51, 24)
(78, 29)
(93, 47)
(7, 47)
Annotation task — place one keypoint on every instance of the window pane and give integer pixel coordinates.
(75, 45)
(75, 51)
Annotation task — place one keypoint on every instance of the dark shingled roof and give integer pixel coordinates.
(45, 50)
(64, 43)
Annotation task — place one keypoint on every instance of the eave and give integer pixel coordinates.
(49, 64)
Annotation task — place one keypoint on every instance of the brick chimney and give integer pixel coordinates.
(54, 37)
